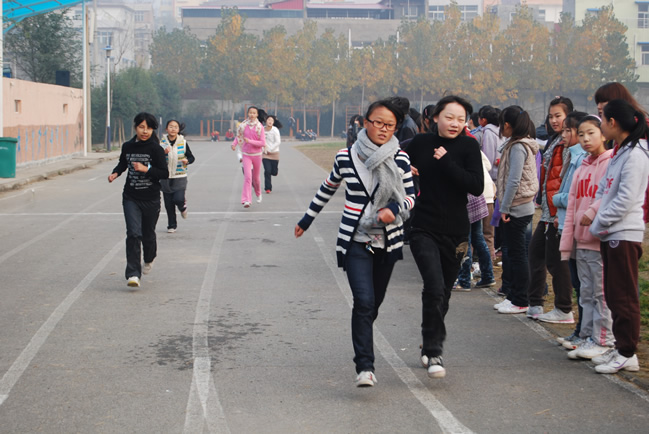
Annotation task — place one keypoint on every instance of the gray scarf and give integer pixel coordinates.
(379, 160)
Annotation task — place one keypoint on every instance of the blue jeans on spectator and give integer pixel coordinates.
(476, 238)
(141, 218)
(515, 264)
(368, 275)
(438, 259)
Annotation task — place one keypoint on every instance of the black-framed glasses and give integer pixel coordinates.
(379, 125)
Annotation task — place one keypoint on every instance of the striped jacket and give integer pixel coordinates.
(356, 199)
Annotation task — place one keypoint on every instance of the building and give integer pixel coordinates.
(635, 15)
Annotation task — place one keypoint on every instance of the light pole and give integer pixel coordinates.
(108, 50)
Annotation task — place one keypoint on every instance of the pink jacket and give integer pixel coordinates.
(255, 144)
(581, 201)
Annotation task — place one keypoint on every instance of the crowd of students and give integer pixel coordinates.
(451, 185)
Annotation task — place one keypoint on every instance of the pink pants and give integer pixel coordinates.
(251, 175)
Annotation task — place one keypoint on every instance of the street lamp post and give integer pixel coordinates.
(108, 50)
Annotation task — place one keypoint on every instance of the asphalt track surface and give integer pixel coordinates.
(242, 328)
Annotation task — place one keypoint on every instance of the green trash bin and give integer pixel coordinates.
(8, 157)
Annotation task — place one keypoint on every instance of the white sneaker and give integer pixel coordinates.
(574, 343)
(556, 316)
(184, 214)
(436, 367)
(605, 358)
(133, 282)
(574, 354)
(619, 363)
(534, 312)
(259, 198)
(504, 303)
(246, 204)
(512, 308)
(592, 350)
(146, 269)
(171, 230)
(366, 379)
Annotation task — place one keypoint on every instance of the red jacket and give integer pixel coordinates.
(553, 177)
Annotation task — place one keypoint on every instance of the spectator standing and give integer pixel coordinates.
(270, 158)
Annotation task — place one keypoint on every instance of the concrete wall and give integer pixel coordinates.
(46, 119)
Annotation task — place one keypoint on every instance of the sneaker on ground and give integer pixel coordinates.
(573, 344)
(534, 312)
(604, 358)
(366, 379)
(574, 354)
(483, 284)
(504, 303)
(171, 230)
(267, 191)
(246, 204)
(501, 292)
(147, 267)
(572, 336)
(436, 367)
(424, 361)
(619, 363)
(133, 282)
(184, 214)
(556, 316)
(587, 351)
(459, 288)
(259, 198)
(512, 308)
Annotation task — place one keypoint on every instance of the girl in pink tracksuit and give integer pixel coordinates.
(578, 242)
(252, 140)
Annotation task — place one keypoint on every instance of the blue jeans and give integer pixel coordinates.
(141, 218)
(368, 275)
(516, 270)
(484, 258)
(438, 259)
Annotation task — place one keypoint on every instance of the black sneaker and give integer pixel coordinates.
(483, 284)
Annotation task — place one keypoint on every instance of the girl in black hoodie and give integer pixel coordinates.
(145, 160)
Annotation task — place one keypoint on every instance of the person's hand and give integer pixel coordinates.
(298, 231)
(113, 176)
(585, 220)
(439, 152)
(385, 215)
(139, 167)
(414, 170)
(505, 217)
(556, 223)
(233, 147)
(167, 149)
(185, 161)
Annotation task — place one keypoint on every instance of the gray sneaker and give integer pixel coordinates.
(605, 358)
(534, 312)
(556, 316)
(573, 343)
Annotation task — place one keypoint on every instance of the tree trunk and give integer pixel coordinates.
(333, 117)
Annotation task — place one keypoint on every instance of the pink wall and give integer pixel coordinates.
(47, 120)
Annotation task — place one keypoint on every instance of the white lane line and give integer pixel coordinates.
(203, 404)
(24, 359)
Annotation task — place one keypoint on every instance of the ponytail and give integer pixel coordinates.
(519, 119)
(628, 119)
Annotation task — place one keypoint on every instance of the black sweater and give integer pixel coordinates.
(444, 183)
(139, 185)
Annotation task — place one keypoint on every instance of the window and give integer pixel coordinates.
(469, 12)
(541, 14)
(18, 106)
(410, 12)
(65, 109)
(436, 12)
(105, 39)
(139, 16)
(643, 16)
(645, 54)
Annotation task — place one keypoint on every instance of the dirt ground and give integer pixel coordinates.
(323, 156)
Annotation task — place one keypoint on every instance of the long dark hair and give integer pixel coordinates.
(519, 119)
(276, 123)
(441, 105)
(614, 90)
(629, 120)
(564, 101)
(151, 122)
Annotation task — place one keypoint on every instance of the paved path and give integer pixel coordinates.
(241, 328)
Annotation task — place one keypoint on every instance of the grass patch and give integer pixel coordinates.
(321, 153)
